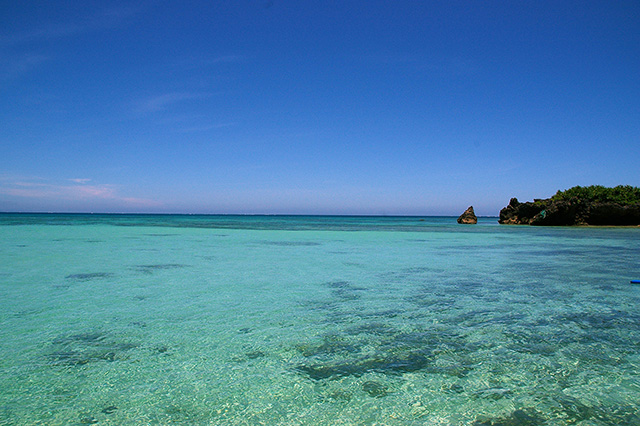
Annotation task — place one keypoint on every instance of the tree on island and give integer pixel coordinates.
(622, 194)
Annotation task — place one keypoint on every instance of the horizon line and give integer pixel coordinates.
(237, 214)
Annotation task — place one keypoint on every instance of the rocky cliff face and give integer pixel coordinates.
(569, 212)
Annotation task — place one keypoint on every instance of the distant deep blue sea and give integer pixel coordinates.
(315, 320)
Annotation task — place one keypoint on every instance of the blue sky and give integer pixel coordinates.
(325, 107)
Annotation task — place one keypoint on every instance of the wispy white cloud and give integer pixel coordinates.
(12, 66)
(449, 65)
(199, 62)
(164, 101)
(206, 127)
(77, 190)
(224, 59)
(22, 50)
(102, 19)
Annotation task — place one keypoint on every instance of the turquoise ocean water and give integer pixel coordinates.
(274, 320)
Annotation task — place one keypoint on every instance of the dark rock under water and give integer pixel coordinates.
(148, 269)
(521, 417)
(375, 389)
(89, 276)
(76, 350)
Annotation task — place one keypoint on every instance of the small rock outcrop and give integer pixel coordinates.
(468, 217)
(576, 206)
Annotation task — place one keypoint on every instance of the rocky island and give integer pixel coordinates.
(591, 205)
(468, 217)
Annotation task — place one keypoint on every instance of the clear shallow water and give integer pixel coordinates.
(233, 320)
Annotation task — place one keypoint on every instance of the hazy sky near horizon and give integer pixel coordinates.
(325, 107)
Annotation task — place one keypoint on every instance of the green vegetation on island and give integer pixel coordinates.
(621, 194)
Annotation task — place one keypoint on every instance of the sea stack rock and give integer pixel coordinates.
(468, 217)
